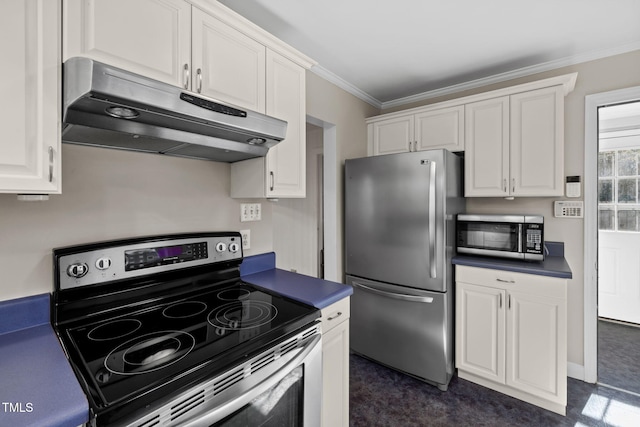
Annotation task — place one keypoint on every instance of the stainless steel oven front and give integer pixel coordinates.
(281, 386)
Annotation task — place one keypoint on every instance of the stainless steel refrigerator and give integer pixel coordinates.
(400, 236)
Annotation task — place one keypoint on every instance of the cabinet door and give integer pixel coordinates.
(537, 142)
(443, 128)
(286, 162)
(148, 37)
(392, 135)
(486, 163)
(537, 345)
(480, 331)
(335, 376)
(30, 119)
(227, 65)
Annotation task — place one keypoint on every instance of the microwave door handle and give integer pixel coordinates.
(520, 240)
(432, 219)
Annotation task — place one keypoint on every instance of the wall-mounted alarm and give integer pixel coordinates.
(573, 186)
(568, 209)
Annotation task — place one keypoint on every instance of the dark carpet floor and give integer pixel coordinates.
(382, 397)
(619, 355)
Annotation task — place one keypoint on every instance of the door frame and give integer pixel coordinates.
(592, 104)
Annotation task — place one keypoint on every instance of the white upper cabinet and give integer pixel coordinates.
(440, 128)
(515, 145)
(282, 173)
(227, 65)
(389, 136)
(148, 37)
(487, 148)
(30, 121)
(425, 130)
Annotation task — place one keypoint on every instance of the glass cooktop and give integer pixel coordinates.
(186, 337)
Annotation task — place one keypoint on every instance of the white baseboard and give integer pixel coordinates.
(575, 371)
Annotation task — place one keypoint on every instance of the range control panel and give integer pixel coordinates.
(116, 262)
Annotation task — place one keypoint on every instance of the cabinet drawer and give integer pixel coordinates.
(512, 281)
(335, 314)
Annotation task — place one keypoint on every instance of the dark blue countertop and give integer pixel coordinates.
(37, 384)
(260, 270)
(554, 264)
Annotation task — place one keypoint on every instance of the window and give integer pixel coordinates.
(619, 190)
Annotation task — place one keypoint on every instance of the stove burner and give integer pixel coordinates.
(184, 309)
(149, 352)
(233, 294)
(242, 315)
(114, 329)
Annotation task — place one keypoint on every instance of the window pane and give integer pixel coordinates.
(627, 192)
(627, 220)
(627, 162)
(606, 219)
(605, 191)
(605, 163)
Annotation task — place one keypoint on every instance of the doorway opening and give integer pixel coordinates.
(594, 107)
(619, 246)
(305, 230)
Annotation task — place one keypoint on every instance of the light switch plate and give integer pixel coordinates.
(250, 212)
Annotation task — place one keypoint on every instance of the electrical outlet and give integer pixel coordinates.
(246, 239)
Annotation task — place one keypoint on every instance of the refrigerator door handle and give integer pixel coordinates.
(412, 298)
(432, 219)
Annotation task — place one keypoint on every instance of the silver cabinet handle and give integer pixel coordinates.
(513, 185)
(186, 76)
(50, 164)
(409, 146)
(412, 298)
(338, 314)
(199, 76)
(500, 300)
(505, 281)
(504, 185)
(432, 220)
(271, 176)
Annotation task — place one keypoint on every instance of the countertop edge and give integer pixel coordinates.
(551, 267)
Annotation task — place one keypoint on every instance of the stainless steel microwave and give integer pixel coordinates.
(505, 236)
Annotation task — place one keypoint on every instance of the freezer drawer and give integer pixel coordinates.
(407, 329)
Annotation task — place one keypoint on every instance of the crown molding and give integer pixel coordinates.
(343, 84)
(473, 84)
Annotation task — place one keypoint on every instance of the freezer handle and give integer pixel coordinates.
(432, 220)
(403, 297)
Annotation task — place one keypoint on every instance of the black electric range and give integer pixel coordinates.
(147, 318)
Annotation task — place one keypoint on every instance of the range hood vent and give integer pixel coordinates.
(109, 107)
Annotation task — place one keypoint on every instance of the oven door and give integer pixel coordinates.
(281, 386)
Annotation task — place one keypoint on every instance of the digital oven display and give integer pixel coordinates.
(153, 257)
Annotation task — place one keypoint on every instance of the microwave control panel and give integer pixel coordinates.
(534, 238)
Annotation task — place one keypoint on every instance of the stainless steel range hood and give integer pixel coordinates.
(110, 107)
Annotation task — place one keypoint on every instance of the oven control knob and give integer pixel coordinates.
(103, 263)
(77, 270)
(221, 247)
(234, 247)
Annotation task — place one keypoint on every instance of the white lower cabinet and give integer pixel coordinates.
(335, 364)
(511, 334)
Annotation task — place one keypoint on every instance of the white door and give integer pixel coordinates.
(619, 221)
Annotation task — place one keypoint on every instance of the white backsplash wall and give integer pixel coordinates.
(111, 194)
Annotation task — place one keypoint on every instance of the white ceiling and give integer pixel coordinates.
(394, 52)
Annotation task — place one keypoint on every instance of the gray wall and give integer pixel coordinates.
(110, 194)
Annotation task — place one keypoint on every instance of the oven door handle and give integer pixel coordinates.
(244, 397)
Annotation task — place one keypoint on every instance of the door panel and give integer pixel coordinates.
(619, 276)
(412, 336)
(388, 203)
